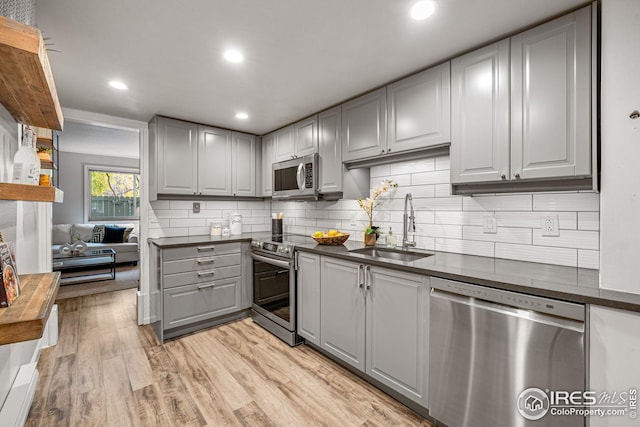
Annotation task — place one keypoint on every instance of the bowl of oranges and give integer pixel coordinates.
(331, 237)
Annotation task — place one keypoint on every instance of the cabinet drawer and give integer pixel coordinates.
(205, 262)
(189, 304)
(203, 250)
(196, 277)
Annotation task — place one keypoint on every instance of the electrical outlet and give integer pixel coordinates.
(549, 225)
(490, 225)
(196, 207)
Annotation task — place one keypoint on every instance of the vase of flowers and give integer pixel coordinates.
(372, 232)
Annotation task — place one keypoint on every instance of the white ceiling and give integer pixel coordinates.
(301, 56)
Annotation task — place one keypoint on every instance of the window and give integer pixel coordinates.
(113, 194)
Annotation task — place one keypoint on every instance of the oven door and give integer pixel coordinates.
(274, 290)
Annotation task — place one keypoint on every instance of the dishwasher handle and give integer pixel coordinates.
(533, 316)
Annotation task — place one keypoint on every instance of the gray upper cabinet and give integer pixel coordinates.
(214, 168)
(419, 110)
(305, 139)
(521, 108)
(308, 297)
(283, 144)
(268, 158)
(330, 150)
(176, 152)
(551, 98)
(364, 126)
(191, 159)
(397, 339)
(480, 115)
(342, 311)
(243, 160)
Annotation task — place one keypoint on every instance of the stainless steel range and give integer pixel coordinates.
(274, 284)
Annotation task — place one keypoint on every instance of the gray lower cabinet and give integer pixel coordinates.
(197, 286)
(376, 320)
(308, 297)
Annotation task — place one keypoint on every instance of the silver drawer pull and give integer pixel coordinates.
(205, 260)
(206, 273)
(206, 248)
(208, 285)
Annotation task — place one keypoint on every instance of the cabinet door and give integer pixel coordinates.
(268, 157)
(244, 164)
(284, 149)
(214, 162)
(551, 99)
(480, 115)
(342, 311)
(397, 332)
(330, 150)
(364, 126)
(419, 110)
(177, 157)
(306, 137)
(308, 307)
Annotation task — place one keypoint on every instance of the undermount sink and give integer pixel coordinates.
(394, 254)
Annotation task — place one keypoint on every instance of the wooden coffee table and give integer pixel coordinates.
(90, 266)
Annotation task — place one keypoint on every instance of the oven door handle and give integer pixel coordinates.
(276, 262)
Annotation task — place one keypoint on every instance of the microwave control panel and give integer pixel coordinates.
(308, 175)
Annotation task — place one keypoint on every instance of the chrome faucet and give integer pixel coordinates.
(409, 224)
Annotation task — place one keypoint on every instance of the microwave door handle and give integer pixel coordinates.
(300, 176)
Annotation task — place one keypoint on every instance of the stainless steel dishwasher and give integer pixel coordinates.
(487, 346)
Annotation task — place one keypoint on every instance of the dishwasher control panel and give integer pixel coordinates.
(514, 299)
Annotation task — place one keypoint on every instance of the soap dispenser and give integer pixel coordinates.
(391, 239)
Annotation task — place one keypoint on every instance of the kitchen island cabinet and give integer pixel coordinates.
(375, 320)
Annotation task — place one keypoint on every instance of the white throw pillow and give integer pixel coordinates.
(61, 234)
(82, 232)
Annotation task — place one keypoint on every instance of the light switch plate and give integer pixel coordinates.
(549, 225)
(196, 207)
(489, 224)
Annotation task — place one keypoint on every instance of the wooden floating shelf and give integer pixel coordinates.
(26, 318)
(47, 164)
(44, 143)
(27, 89)
(33, 193)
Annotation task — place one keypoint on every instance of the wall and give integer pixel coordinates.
(620, 138)
(72, 177)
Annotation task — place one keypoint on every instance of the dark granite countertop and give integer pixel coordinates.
(566, 283)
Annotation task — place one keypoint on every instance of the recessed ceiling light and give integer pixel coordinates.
(423, 9)
(233, 55)
(242, 116)
(118, 85)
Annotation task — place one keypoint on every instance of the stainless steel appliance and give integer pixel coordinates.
(274, 285)
(487, 346)
(296, 178)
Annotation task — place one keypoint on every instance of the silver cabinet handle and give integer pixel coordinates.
(208, 285)
(367, 276)
(360, 268)
(206, 273)
(503, 176)
(388, 150)
(206, 248)
(517, 174)
(382, 151)
(205, 260)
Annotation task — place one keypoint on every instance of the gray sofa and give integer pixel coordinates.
(126, 252)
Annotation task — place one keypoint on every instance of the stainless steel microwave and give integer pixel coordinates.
(296, 178)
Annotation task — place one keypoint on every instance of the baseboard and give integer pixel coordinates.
(142, 300)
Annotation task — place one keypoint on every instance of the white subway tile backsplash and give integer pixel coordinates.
(520, 202)
(589, 221)
(444, 222)
(588, 259)
(466, 247)
(544, 254)
(568, 239)
(566, 202)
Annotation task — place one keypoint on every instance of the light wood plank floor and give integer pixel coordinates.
(107, 371)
